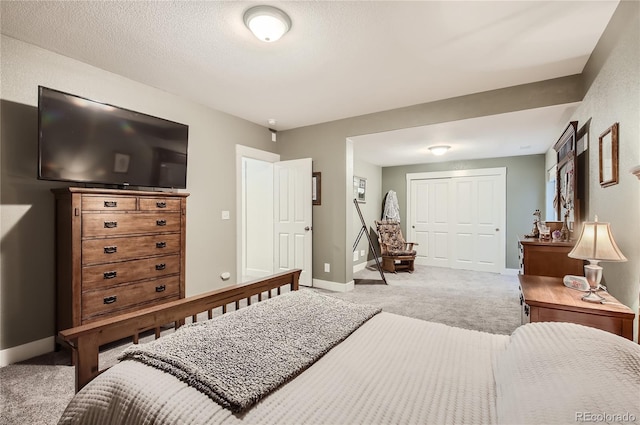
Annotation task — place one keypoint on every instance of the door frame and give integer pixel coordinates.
(500, 172)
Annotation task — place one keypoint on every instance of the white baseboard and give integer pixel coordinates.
(361, 266)
(511, 272)
(333, 286)
(26, 351)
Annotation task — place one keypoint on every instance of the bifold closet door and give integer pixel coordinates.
(457, 221)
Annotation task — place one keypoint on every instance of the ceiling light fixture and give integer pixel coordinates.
(268, 23)
(439, 150)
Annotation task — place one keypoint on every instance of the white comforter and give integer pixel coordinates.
(399, 370)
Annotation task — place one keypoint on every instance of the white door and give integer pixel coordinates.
(257, 219)
(458, 218)
(430, 216)
(476, 224)
(293, 238)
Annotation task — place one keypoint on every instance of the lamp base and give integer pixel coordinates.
(593, 297)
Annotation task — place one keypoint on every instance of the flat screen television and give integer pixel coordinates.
(84, 141)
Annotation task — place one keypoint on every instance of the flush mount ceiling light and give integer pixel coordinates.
(267, 22)
(439, 150)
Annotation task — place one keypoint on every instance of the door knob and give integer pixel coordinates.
(307, 228)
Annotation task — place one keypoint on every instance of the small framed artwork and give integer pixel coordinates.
(121, 163)
(360, 189)
(608, 151)
(316, 188)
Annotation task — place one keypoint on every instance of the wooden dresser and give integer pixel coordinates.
(117, 251)
(546, 299)
(548, 258)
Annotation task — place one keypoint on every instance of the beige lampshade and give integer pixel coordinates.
(596, 243)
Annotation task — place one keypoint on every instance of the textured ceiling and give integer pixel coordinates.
(340, 59)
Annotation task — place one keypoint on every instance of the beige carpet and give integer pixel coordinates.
(472, 300)
(37, 391)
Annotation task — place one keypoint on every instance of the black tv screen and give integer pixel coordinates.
(84, 141)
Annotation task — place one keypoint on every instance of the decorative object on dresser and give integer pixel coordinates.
(608, 156)
(596, 244)
(547, 299)
(117, 251)
(535, 232)
(547, 258)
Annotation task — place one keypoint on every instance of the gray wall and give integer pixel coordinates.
(525, 191)
(27, 205)
(612, 77)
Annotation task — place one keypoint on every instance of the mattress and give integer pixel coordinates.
(392, 370)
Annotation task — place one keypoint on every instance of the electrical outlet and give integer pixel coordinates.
(355, 255)
(327, 267)
(362, 252)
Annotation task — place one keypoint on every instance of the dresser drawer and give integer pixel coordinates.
(126, 224)
(113, 301)
(109, 203)
(111, 274)
(159, 204)
(96, 251)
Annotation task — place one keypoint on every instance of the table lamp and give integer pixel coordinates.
(595, 244)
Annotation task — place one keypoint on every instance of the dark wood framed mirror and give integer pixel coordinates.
(566, 200)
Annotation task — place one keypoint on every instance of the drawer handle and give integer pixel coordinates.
(161, 266)
(110, 224)
(161, 222)
(110, 249)
(110, 204)
(161, 204)
(161, 288)
(110, 300)
(161, 244)
(110, 275)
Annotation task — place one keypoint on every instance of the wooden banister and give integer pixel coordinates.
(86, 340)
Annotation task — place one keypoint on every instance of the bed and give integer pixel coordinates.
(303, 357)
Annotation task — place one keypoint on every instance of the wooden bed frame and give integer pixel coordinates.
(85, 340)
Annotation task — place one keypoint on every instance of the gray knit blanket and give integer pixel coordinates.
(240, 357)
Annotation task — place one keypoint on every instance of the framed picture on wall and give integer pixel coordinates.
(360, 189)
(608, 153)
(316, 188)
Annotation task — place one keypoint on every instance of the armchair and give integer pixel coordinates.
(397, 254)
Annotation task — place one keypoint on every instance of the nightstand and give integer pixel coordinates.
(546, 299)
